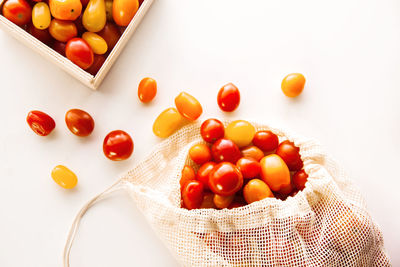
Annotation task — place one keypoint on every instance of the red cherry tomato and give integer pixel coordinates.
(188, 174)
(98, 61)
(225, 179)
(225, 150)
(211, 130)
(117, 145)
(290, 155)
(300, 179)
(228, 97)
(79, 122)
(59, 47)
(200, 153)
(266, 140)
(42, 35)
(41, 123)
(204, 172)
(193, 194)
(17, 11)
(249, 167)
(79, 52)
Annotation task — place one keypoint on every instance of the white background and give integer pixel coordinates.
(349, 52)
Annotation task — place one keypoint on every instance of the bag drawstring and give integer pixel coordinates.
(75, 225)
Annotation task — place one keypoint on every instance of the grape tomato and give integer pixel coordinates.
(252, 152)
(274, 172)
(228, 97)
(256, 190)
(124, 11)
(188, 174)
(193, 194)
(79, 122)
(79, 52)
(96, 42)
(188, 106)
(41, 123)
(147, 90)
(167, 123)
(41, 17)
(64, 177)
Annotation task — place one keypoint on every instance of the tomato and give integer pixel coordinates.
(193, 194)
(290, 155)
(300, 179)
(274, 172)
(79, 122)
(42, 35)
(98, 61)
(225, 150)
(252, 152)
(225, 179)
(223, 202)
(200, 153)
(64, 177)
(94, 18)
(17, 11)
(167, 122)
(187, 175)
(240, 132)
(211, 130)
(110, 34)
(266, 140)
(286, 190)
(79, 52)
(124, 11)
(109, 7)
(188, 106)
(293, 84)
(65, 9)
(228, 97)
(118, 145)
(62, 30)
(256, 190)
(147, 90)
(41, 17)
(204, 172)
(41, 123)
(208, 201)
(59, 47)
(249, 167)
(96, 42)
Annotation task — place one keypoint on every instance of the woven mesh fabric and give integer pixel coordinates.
(326, 224)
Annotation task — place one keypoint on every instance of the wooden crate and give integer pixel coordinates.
(86, 78)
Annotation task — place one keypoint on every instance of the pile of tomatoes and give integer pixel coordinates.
(239, 165)
(84, 31)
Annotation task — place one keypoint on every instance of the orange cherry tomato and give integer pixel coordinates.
(41, 123)
(63, 31)
(124, 11)
(17, 11)
(79, 122)
(228, 97)
(188, 106)
(225, 150)
(147, 90)
(98, 61)
(300, 179)
(118, 145)
(187, 175)
(193, 194)
(223, 202)
(249, 167)
(200, 153)
(65, 9)
(204, 172)
(225, 179)
(275, 172)
(256, 190)
(208, 201)
(79, 52)
(293, 84)
(252, 152)
(110, 34)
(266, 140)
(211, 130)
(290, 155)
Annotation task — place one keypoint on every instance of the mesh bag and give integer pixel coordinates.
(326, 224)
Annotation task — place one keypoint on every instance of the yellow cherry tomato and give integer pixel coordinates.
(188, 106)
(41, 17)
(96, 42)
(65, 9)
(94, 18)
(256, 190)
(62, 31)
(109, 8)
(275, 172)
(64, 177)
(124, 11)
(167, 122)
(293, 84)
(240, 132)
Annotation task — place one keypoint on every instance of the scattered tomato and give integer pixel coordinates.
(62, 30)
(300, 179)
(266, 140)
(64, 177)
(228, 97)
(225, 179)
(41, 17)
(79, 122)
(167, 122)
(249, 167)
(293, 84)
(275, 172)
(124, 11)
(211, 130)
(256, 190)
(65, 9)
(240, 132)
(193, 194)
(204, 172)
(118, 145)
(98, 61)
(225, 150)
(188, 106)
(17, 11)
(79, 52)
(41, 123)
(94, 18)
(252, 152)
(290, 155)
(187, 175)
(223, 202)
(200, 153)
(147, 90)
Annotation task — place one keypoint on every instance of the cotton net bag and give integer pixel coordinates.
(326, 224)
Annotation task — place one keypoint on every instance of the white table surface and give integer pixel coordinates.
(348, 51)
